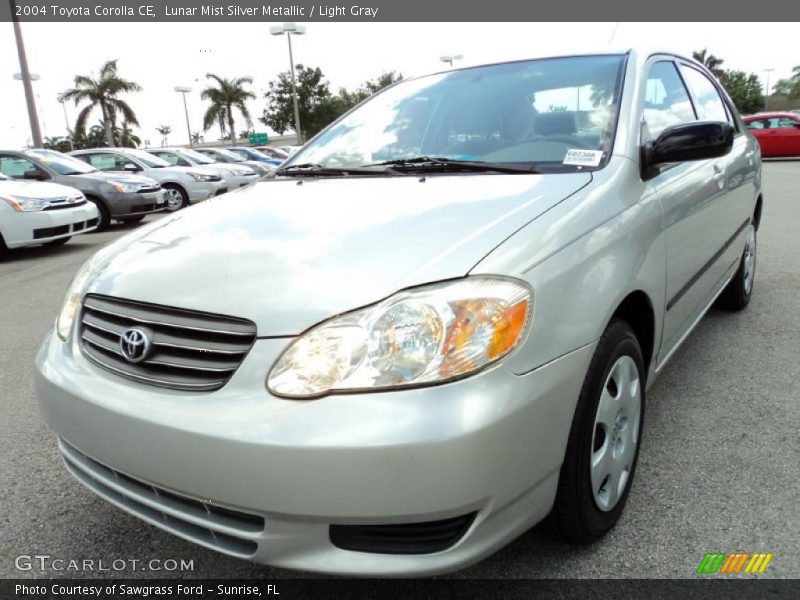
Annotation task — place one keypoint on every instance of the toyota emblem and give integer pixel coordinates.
(134, 345)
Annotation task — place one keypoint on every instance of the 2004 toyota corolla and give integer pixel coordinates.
(429, 330)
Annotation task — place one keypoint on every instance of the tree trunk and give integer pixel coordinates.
(107, 125)
(230, 124)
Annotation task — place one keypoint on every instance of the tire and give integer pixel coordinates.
(177, 197)
(3, 248)
(104, 217)
(736, 295)
(589, 499)
(58, 242)
(132, 219)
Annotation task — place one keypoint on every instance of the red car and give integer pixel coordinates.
(778, 133)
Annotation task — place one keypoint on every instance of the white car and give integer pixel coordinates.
(236, 175)
(184, 185)
(34, 213)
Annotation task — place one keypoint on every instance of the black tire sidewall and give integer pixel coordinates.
(580, 520)
(103, 214)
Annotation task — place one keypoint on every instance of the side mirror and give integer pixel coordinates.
(36, 175)
(687, 141)
(130, 167)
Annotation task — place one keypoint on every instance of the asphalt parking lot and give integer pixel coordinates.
(718, 472)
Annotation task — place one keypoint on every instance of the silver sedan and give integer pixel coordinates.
(430, 329)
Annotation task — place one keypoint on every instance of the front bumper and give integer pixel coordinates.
(131, 204)
(491, 444)
(39, 227)
(203, 190)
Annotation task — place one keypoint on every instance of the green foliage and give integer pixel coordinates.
(96, 137)
(227, 97)
(58, 143)
(101, 93)
(744, 89)
(317, 105)
(790, 88)
(711, 62)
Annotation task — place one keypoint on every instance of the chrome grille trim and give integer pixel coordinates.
(224, 529)
(190, 350)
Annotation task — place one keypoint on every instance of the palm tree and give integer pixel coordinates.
(711, 62)
(796, 72)
(126, 136)
(228, 96)
(196, 138)
(164, 130)
(102, 93)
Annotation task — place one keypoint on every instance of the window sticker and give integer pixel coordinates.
(583, 158)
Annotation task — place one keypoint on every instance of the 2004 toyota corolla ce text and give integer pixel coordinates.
(430, 329)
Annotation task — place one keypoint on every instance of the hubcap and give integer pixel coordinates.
(750, 260)
(616, 431)
(174, 199)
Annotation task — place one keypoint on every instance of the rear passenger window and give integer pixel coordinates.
(710, 106)
(758, 124)
(666, 101)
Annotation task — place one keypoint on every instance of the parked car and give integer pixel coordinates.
(290, 150)
(235, 175)
(253, 154)
(273, 152)
(778, 133)
(226, 156)
(183, 185)
(432, 328)
(33, 213)
(118, 196)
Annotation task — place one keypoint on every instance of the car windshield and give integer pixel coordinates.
(198, 157)
(148, 159)
(528, 113)
(61, 163)
(224, 155)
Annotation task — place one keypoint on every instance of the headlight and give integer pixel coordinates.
(203, 176)
(72, 301)
(24, 204)
(125, 187)
(425, 335)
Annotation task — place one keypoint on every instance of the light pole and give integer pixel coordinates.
(183, 90)
(450, 58)
(766, 96)
(66, 122)
(25, 75)
(291, 29)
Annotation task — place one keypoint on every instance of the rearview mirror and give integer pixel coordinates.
(687, 141)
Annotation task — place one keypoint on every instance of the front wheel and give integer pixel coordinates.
(177, 197)
(736, 295)
(604, 440)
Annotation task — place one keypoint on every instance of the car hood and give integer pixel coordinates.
(288, 254)
(36, 189)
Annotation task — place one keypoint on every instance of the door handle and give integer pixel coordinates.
(719, 176)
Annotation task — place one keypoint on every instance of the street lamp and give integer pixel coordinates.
(25, 76)
(450, 58)
(291, 29)
(66, 122)
(183, 90)
(766, 96)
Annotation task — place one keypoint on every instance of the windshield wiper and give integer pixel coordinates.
(313, 169)
(442, 164)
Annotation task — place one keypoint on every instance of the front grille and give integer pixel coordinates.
(404, 538)
(92, 222)
(65, 204)
(189, 350)
(143, 208)
(224, 529)
(46, 232)
(149, 189)
(78, 226)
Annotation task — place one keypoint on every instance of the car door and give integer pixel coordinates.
(786, 136)
(687, 192)
(760, 130)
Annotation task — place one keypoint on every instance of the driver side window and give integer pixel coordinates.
(666, 101)
(20, 168)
